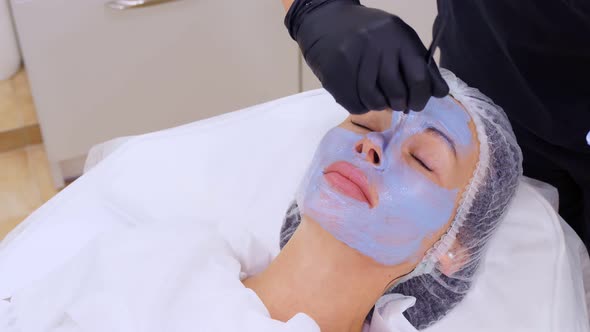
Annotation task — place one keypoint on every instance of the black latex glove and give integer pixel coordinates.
(366, 58)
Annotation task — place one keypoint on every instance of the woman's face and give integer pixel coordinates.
(388, 187)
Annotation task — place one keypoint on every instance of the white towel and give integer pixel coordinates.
(182, 276)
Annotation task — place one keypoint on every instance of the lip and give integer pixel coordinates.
(350, 181)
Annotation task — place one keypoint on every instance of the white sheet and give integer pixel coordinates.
(175, 276)
(242, 168)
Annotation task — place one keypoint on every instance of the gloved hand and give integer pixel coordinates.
(366, 58)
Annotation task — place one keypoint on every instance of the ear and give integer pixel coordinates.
(453, 260)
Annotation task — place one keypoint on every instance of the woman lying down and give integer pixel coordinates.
(387, 233)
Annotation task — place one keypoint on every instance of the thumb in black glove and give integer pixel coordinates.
(366, 58)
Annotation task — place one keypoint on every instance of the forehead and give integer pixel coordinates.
(445, 114)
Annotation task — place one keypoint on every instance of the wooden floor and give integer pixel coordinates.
(25, 178)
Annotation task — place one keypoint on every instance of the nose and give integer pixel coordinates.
(370, 149)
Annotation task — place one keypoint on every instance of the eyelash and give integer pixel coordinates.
(421, 162)
(411, 154)
(361, 126)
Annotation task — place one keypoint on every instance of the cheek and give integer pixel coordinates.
(337, 144)
(416, 201)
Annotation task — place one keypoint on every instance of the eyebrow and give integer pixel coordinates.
(444, 136)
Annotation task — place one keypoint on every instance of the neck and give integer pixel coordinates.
(323, 278)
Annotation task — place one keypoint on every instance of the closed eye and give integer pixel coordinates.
(421, 162)
(361, 126)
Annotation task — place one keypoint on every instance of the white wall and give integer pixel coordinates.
(9, 52)
(98, 73)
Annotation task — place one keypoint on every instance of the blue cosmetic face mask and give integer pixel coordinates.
(410, 207)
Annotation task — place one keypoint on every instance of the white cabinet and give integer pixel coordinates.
(419, 14)
(9, 53)
(98, 73)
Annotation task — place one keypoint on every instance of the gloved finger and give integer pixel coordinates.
(350, 102)
(440, 88)
(417, 76)
(368, 88)
(339, 78)
(392, 83)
